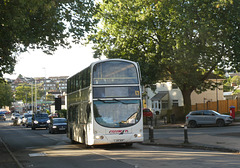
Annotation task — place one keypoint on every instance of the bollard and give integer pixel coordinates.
(151, 134)
(15, 122)
(165, 119)
(185, 135)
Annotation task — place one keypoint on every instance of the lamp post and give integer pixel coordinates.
(32, 97)
(35, 107)
(44, 85)
(217, 93)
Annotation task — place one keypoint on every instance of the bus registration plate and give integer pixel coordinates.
(118, 140)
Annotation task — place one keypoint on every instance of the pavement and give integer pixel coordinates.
(228, 142)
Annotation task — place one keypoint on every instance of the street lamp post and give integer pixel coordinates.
(32, 97)
(35, 97)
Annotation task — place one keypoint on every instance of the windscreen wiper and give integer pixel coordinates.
(120, 101)
(106, 101)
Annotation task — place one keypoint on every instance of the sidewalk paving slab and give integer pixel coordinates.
(205, 142)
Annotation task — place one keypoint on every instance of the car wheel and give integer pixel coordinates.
(220, 123)
(192, 124)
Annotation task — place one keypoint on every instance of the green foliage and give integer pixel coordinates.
(62, 113)
(6, 95)
(227, 85)
(178, 40)
(236, 80)
(48, 112)
(24, 93)
(50, 97)
(236, 91)
(41, 24)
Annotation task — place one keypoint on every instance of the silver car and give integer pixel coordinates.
(206, 117)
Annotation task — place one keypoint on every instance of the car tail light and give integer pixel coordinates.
(187, 117)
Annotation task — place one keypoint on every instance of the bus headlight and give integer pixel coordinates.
(35, 122)
(99, 137)
(137, 135)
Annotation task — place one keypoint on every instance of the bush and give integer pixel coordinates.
(62, 113)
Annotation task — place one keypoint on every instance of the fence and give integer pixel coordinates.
(221, 106)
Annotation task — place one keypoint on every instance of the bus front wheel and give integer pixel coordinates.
(129, 144)
(73, 142)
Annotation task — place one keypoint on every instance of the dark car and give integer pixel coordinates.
(58, 125)
(40, 120)
(147, 113)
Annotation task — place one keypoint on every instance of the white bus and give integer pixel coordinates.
(104, 104)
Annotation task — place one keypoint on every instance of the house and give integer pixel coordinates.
(164, 96)
(211, 95)
(167, 95)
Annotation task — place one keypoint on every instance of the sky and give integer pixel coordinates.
(64, 62)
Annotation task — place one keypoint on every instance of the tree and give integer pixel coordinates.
(24, 93)
(41, 24)
(6, 95)
(227, 85)
(236, 80)
(180, 40)
(50, 97)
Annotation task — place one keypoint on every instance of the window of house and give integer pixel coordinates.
(156, 105)
(175, 103)
(159, 104)
(174, 86)
(164, 104)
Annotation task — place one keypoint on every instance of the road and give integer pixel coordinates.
(39, 149)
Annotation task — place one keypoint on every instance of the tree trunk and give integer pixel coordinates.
(187, 100)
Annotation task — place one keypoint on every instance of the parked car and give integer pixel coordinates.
(25, 116)
(28, 122)
(206, 117)
(40, 120)
(14, 116)
(3, 117)
(58, 125)
(147, 113)
(19, 120)
(4, 111)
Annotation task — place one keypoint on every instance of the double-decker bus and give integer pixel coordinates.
(104, 104)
